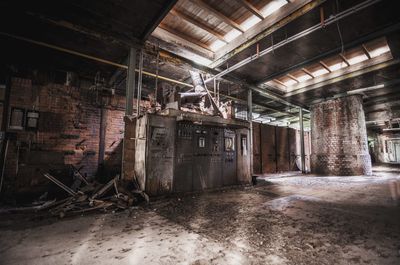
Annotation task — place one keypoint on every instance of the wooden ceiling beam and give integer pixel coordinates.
(344, 59)
(251, 8)
(307, 72)
(219, 15)
(185, 37)
(198, 24)
(366, 51)
(293, 78)
(325, 66)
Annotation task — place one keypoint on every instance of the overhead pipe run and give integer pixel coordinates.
(90, 57)
(297, 36)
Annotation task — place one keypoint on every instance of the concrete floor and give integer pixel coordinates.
(285, 219)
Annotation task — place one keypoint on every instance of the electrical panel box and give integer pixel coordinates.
(178, 152)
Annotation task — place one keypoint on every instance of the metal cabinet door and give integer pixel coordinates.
(229, 173)
(183, 176)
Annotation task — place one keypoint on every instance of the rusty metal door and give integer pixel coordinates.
(268, 154)
(201, 165)
(229, 158)
(294, 149)
(282, 149)
(183, 176)
(256, 148)
(214, 177)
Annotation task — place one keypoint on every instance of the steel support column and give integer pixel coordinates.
(302, 153)
(250, 119)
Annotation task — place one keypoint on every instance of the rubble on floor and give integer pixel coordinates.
(85, 196)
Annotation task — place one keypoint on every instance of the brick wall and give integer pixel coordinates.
(68, 134)
(339, 138)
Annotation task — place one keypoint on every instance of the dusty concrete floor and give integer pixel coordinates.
(285, 219)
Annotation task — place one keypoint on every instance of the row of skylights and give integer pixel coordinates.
(267, 10)
(355, 56)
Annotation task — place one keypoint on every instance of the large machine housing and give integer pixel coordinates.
(181, 152)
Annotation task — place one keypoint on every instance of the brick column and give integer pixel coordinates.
(339, 138)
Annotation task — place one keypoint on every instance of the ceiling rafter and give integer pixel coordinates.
(344, 59)
(307, 72)
(293, 78)
(198, 24)
(366, 51)
(251, 8)
(185, 37)
(325, 66)
(219, 15)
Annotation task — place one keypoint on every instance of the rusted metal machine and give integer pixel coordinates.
(178, 151)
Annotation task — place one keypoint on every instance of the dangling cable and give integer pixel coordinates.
(338, 28)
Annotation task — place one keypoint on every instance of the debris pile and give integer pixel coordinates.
(85, 196)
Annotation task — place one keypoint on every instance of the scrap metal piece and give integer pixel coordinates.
(60, 184)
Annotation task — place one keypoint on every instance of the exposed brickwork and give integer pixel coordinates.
(68, 133)
(339, 138)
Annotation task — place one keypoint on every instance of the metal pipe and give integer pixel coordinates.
(130, 83)
(297, 36)
(302, 152)
(90, 57)
(139, 85)
(157, 67)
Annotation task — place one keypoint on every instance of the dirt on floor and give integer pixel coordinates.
(284, 219)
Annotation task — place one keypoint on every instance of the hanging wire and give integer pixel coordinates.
(338, 28)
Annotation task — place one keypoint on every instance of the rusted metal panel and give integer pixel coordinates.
(214, 179)
(229, 169)
(161, 149)
(268, 154)
(140, 151)
(183, 177)
(243, 155)
(256, 148)
(282, 149)
(294, 149)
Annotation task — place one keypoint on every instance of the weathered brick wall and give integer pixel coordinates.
(339, 138)
(68, 134)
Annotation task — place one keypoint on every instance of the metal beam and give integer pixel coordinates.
(272, 23)
(341, 75)
(157, 19)
(218, 14)
(297, 36)
(198, 24)
(108, 39)
(344, 59)
(180, 35)
(90, 57)
(382, 32)
(251, 8)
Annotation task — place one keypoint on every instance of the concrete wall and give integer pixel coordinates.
(339, 138)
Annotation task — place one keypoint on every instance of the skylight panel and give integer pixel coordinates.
(319, 72)
(272, 7)
(216, 45)
(290, 82)
(357, 59)
(379, 51)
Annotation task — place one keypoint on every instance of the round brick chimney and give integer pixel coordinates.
(339, 138)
